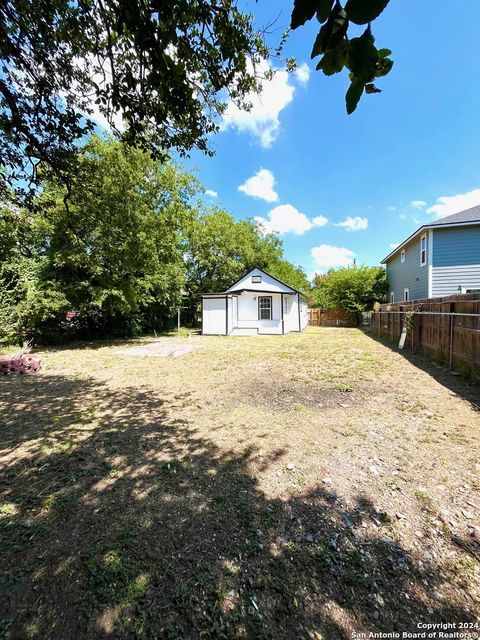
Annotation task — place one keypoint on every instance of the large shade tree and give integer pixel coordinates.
(160, 66)
(115, 257)
(157, 71)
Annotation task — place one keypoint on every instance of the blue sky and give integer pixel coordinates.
(416, 142)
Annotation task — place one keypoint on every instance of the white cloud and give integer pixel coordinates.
(261, 185)
(211, 193)
(391, 208)
(100, 75)
(394, 245)
(302, 73)
(287, 219)
(101, 120)
(402, 216)
(326, 256)
(418, 204)
(446, 205)
(262, 120)
(353, 224)
(320, 221)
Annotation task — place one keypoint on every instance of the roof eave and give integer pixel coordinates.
(400, 246)
(426, 227)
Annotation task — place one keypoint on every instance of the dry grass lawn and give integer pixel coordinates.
(304, 486)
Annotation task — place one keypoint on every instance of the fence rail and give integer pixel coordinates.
(445, 329)
(331, 318)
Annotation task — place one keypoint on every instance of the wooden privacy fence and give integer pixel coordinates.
(331, 318)
(445, 329)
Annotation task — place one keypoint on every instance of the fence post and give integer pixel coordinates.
(451, 332)
(417, 330)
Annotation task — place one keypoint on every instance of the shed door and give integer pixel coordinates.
(213, 316)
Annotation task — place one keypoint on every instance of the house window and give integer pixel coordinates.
(285, 306)
(265, 308)
(256, 279)
(392, 296)
(406, 295)
(402, 256)
(423, 250)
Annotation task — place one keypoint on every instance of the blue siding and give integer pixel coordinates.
(456, 260)
(408, 274)
(456, 246)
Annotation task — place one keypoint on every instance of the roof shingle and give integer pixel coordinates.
(469, 215)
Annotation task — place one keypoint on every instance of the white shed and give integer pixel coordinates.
(256, 304)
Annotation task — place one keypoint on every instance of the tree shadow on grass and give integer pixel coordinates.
(101, 343)
(120, 519)
(458, 384)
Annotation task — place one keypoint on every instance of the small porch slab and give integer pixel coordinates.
(168, 348)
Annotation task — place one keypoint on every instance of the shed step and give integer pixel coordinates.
(244, 331)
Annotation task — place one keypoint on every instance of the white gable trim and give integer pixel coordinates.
(268, 283)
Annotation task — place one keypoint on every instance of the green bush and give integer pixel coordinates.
(354, 289)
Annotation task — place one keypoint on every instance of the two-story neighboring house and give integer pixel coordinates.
(439, 259)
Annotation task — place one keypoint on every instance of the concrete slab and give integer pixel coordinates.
(163, 348)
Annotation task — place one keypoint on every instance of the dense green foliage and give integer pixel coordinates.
(351, 288)
(291, 274)
(220, 249)
(364, 62)
(134, 243)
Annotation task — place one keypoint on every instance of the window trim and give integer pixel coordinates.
(423, 259)
(256, 279)
(271, 307)
(402, 256)
(406, 291)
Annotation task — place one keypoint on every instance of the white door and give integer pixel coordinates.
(214, 316)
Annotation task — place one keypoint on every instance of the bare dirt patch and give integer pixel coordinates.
(163, 348)
(304, 486)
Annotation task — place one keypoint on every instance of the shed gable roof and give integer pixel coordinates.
(265, 285)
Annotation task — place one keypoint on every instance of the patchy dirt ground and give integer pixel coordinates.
(162, 348)
(304, 486)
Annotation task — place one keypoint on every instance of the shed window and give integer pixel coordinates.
(423, 250)
(406, 295)
(265, 308)
(402, 256)
(256, 279)
(392, 296)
